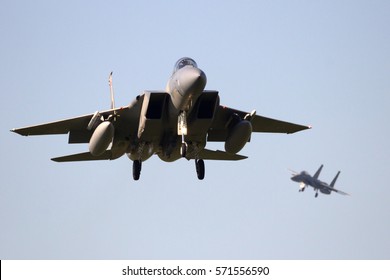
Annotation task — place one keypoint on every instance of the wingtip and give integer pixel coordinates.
(299, 128)
(15, 130)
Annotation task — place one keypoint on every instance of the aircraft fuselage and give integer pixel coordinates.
(308, 180)
(185, 86)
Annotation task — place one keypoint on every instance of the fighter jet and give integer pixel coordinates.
(304, 179)
(173, 123)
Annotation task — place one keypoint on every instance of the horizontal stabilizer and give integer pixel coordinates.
(217, 155)
(107, 155)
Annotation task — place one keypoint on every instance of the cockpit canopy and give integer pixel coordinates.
(185, 61)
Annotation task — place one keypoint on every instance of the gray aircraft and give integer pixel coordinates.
(172, 124)
(304, 179)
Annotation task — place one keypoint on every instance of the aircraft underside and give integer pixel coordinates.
(172, 124)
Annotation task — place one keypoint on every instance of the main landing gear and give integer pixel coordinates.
(137, 165)
(200, 170)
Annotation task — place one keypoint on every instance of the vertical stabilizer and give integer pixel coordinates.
(334, 180)
(317, 174)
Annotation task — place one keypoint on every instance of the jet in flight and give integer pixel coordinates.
(173, 123)
(304, 179)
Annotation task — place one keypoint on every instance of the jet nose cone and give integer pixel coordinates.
(294, 178)
(192, 81)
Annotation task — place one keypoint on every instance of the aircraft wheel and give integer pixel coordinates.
(137, 164)
(183, 149)
(200, 170)
(316, 195)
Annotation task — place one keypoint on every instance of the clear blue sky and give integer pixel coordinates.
(322, 63)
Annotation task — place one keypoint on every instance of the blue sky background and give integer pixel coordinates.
(321, 63)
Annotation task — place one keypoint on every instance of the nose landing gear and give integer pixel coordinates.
(182, 130)
(183, 148)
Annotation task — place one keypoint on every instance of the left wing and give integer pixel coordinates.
(216, 155)
(331, 189)
(218, 131)
(338, 191)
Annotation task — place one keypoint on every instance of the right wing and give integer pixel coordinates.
(264, 124)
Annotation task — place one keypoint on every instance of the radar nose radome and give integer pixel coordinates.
(192, 80)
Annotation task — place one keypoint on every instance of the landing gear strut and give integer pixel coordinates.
(137, 165)
(200, 170)
(182, 130)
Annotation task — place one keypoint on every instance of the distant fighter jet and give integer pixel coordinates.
(175, 123)
(304, 179)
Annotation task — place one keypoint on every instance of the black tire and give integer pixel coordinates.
(183, 149)
(137, 164)
(200, 169)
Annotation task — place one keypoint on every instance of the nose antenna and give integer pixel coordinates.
(293, 173)
(111, 91)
